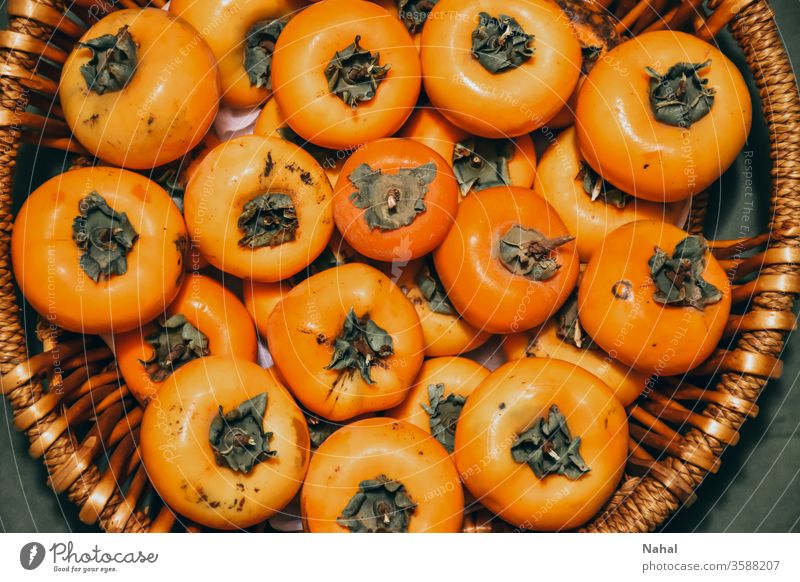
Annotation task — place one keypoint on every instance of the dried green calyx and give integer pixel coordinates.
(500, 44)
(480, 163)
(381, 505)
(105, 237)
(326, 157)
(432, 290)
(529, 253)
(391, 200)
(258, 48)
(414, 13)
(113, 61)
(548, 448)
(569, 327)
(175, 343)
(170, 181)
(680, 97)
(237, 437)
(268, 220)
(444, 412)
(354, 74)
(361, 344)
(599, 189)
(319, 429)
(326, 260)
(679, 278)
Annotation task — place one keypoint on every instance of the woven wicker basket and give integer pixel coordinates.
(80, 419)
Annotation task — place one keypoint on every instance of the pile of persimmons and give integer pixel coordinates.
(293, 304)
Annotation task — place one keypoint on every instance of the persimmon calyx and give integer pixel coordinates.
(679, 278)
(443, 412)
(172, 182)
(361, 344)
(680, 97)
(326, 157)
(391, 201)
(104, 235)
(174, 344)
(569, 327)
(432, 290)
(268, 220)
(326, 260)
(237, 437)
(381, 505)
(319, 429)
(529, 253)
(480, 163)
(414, 13)
(354, 74)
(259, 47)
(113, 61)
(548, 448)
(598, 189)
(500, 43)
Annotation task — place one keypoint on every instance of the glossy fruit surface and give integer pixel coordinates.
(590, 207)
(241, 35)
(347, 341)
(305, 67)
(437, 397)
(512, 87)
(377, 452)
(192, 455)
(204, 319)
(80, 277)
(622, 139)
(395, 200)
(259, 208)
(446, 332)
(508, 263)
(150, 113)
(619, 305)
(503, 418)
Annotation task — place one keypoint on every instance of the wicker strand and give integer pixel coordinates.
(756, 32)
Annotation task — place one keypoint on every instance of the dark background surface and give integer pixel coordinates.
(756, 490)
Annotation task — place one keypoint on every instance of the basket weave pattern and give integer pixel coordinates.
(678, 430)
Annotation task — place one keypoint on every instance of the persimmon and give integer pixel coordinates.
(174, 176)
(271, 123)
(446, 333)
(478, 162)
(395, 200)
(663, 115)
(347, 341)
(381, 475)
(242, 36)
(261, 298)
(124, 98)
(204, 319)
(437, 397)
(588, 205)
(99, 250)
(563, 338)
(224, 444)
(542, 443)
(654, 298)
(345, 73)
(259, 208)
(595, 28)
(520, 61)
(508, 263)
